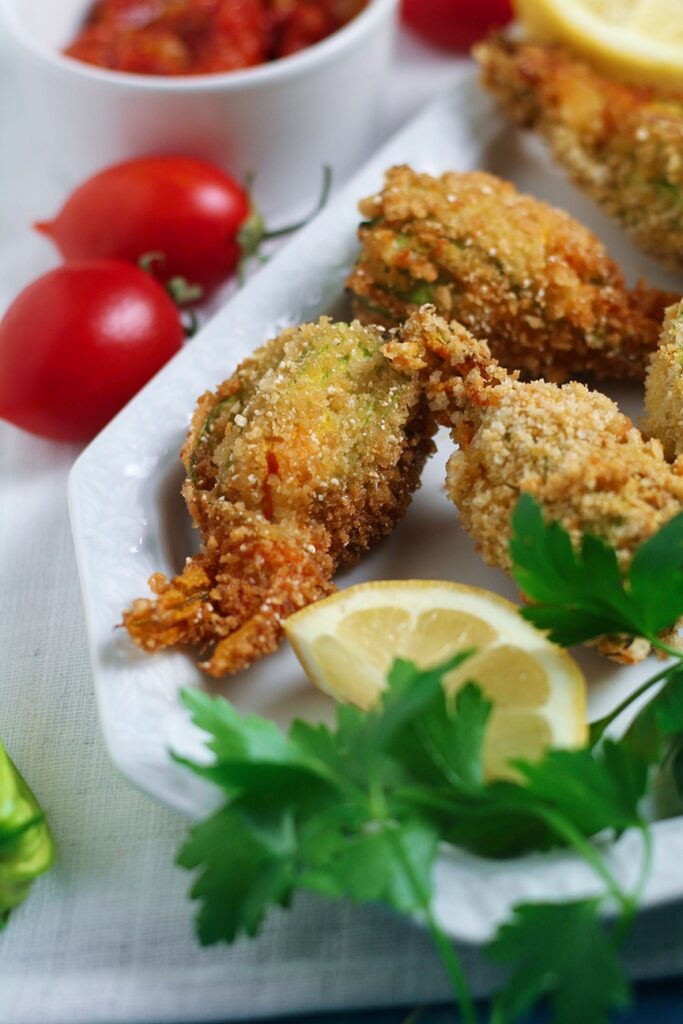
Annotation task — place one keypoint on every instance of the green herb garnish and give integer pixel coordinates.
(580, 595)
(357, 811)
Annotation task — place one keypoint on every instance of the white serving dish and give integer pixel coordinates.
(129, 521)
(281, 121)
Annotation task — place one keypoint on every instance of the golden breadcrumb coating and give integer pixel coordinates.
(664, 387)
(299, 462)
(622, 144)
(569, 447)
(525, 275)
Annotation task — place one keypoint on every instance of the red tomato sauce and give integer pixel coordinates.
(192, 37)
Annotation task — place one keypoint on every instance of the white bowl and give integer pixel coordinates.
(283, 120)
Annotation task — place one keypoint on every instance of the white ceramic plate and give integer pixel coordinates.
(129, 521)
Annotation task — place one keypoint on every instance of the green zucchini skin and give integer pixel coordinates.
(26, 844)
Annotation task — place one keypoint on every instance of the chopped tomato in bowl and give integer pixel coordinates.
(190, 37)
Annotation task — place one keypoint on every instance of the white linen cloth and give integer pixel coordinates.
(107, 936)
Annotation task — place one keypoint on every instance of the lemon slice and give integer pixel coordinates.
(638, 41)
(348, 642)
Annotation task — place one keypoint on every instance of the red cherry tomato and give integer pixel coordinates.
(455, 24)
(183, 208)
(78, 343)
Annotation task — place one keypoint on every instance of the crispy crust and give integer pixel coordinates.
(622, 144)
(571, 448)
(509, 267)
(297, 464)
(664, 387)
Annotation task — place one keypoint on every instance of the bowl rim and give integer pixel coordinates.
(306, 60)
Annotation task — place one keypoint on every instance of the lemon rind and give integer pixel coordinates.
(619, 50)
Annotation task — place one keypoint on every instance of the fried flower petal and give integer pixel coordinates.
(513, 269)
(569, 447)
(297, 464)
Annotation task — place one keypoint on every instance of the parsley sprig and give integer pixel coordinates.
(356, 811)
(581, 594)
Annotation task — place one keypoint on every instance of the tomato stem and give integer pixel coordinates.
(322, 201)
(180, 290)
(253, 231)
(190, 323)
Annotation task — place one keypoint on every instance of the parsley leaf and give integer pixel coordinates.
(411, 694)
(567, 795)
(252, 754)
(655, 735)
(579, 593)
(593, 790)
(391, 864)
(443, 744)
(247, 863)
(453, 735)
(656, 578)
(677, 765)
(562, 949)
(321, 808)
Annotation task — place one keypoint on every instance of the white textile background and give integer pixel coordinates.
(107, 936)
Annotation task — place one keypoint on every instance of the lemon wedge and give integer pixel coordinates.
(639, 41)
(348, 642)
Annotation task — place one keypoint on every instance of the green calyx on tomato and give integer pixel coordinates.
(96, 329)
(254, 232)
(181, 292)
(180, 207)
(196, 216)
